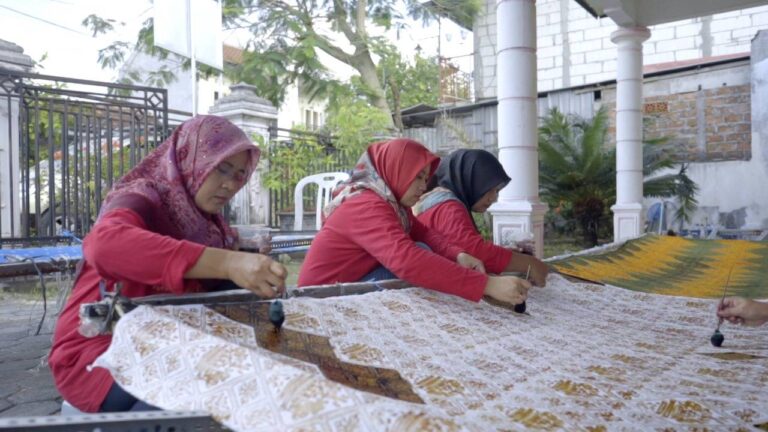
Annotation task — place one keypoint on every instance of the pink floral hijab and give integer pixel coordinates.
(162, 187)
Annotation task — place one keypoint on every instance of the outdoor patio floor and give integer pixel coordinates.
(26, 384)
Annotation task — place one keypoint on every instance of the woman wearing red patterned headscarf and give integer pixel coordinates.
(369, 232)
(160, 230)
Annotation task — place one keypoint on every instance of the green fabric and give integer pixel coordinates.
(678, 266)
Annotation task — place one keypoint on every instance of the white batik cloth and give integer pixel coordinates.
(588, 357)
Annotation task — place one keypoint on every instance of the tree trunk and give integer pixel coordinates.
(396, 104)
(588, 212)
(366, 67)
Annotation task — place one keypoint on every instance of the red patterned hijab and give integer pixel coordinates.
(162, 187)
(387, 168)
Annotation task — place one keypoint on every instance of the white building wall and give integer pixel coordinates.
(289, 112)
(725, 187)
(739, 187)
(180, 89)
(574, 48)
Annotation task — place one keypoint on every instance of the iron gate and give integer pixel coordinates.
(64, 143)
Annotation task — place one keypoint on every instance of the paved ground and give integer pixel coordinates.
(26, 385)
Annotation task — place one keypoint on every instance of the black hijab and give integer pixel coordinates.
(469, 174)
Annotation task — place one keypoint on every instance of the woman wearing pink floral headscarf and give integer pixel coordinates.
(160, 230)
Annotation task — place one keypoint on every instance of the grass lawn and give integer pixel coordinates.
(293, 266)
(560, 247)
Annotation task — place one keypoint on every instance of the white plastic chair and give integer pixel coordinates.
(325, 183)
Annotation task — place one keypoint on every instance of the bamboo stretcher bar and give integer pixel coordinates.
(245, 296)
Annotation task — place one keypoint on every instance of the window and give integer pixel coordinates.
(313, 119)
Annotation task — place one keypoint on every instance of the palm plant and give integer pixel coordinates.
(577, 172)
(658, 156)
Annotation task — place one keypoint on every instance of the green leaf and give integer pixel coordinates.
(578, 172)
(97, 25)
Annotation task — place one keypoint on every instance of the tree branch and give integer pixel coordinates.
(322, 42)
(341, 19)
(334, 51)
(361, 14)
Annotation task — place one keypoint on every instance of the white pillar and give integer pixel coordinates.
(518, 210)
(10, 202)
(628, 210)
(254, 115)
(12, 57)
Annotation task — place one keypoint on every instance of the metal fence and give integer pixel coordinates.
(63, 144)
(294, 154)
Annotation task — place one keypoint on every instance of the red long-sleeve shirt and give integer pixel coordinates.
(452, 220)
(365, 232)
(119, 248)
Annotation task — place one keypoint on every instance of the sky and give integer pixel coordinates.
(53, 27)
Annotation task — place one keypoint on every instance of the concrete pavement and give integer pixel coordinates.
(26, 384)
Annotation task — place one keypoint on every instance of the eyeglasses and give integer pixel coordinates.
(229, 172)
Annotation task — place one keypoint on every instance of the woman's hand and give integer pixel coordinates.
(257, 273)
(260, 241)
(739, 310)
(468, 261)
(539, 272)
(508, 289)
(520, 263)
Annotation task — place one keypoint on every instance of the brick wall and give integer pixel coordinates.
(574, 48)
(710, 125)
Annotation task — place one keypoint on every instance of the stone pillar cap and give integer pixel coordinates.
(12, 57)
(639, 34)
(243, 98)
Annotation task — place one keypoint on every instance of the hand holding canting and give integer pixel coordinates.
(739, 310)
(257, 273)
(508, 289)
(539, 272)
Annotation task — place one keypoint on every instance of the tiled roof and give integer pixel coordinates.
(703, 61)
(232, 55)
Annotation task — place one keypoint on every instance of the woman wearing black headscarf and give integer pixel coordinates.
(469, 181)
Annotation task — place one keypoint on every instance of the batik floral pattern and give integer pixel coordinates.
(588, 357)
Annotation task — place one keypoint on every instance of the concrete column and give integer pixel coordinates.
(254, 115)
(628, 210)
(519, 212)
(759, 96)
(12, 58)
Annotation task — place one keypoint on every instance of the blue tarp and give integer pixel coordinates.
(39, 254)
(281, 243)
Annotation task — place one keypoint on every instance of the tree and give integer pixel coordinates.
(658, 156)
(420, 82)
(406, 84)
(287, 36)
(350, 126)
(577, 171)
(113, 55)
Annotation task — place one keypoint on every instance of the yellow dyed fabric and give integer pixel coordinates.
(678, 266)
